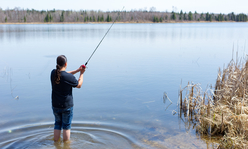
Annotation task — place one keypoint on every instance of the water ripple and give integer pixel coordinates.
(83, 135)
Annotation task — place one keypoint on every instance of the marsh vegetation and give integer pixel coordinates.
(222, 110)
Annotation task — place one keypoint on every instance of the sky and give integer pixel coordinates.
(211, 6)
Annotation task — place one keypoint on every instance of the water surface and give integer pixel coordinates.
(120, 104)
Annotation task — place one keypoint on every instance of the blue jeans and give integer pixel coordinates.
(63, 118)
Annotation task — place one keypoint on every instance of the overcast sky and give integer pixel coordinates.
(212, 6)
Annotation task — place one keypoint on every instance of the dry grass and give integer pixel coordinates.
(224, 109)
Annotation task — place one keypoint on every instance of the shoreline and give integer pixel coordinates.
(129, 22)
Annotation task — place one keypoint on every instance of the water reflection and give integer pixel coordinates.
(165, 98)
(7, 74)
(171, 32)
(22, 32)
(190, 122)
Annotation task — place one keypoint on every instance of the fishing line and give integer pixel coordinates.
(84, 66)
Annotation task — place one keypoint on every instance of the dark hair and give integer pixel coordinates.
(61, 60)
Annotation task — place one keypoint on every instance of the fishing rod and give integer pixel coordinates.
(84, 66)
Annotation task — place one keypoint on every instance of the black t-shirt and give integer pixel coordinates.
(62, 92)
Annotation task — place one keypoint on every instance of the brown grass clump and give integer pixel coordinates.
(224, 109)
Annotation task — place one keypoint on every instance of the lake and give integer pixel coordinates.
(120, 104)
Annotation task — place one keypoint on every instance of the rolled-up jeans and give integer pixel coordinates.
(63, 118)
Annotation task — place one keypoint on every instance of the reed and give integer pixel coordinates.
(224, 109)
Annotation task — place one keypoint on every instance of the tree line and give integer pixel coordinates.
(18, 15)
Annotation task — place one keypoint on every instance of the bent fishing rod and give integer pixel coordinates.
(84, 66)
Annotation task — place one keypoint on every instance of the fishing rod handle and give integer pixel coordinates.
(84, 66)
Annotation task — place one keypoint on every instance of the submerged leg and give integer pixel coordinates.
(66, 134)
(56, 134)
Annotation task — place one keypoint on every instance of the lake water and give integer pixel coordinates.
(120, 104)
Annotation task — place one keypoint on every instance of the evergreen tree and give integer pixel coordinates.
(50, 18)
(108, 19)
(181, 15)
(225, 18)
(237, 18)
(6, 20)
(25, 20)
(160, 19)
(94, 19)
(232, 16)
(245, 18)
(216, 18)
(195, 15)
(98, 19)
(184, 16)
(102, 18)
(90, 19)
(47, 18)
(42, 11)
(241, 18)
(207, 16)
(173, 16)
(155, 19)
(210, 18)
(220, 17)
(190, 16)
(201, 17)
(62, 17)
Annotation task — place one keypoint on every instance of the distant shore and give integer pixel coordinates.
(21, 16)
(129, 22)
